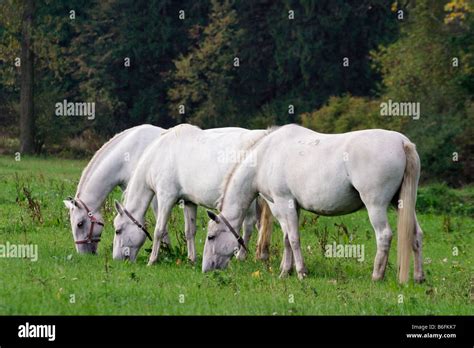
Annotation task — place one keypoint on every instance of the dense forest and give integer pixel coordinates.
(326, 64)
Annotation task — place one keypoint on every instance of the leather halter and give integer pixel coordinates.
(93, 221)
(140, 226)
(231, 229)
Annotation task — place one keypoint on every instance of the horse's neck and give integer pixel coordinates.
(239, 193)
(138, 196)
(100, 181)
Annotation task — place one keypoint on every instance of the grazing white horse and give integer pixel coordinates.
(329, 174)
(188, 164)
(111, 166)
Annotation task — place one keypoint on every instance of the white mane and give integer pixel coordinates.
(180, 128)
(246, 149)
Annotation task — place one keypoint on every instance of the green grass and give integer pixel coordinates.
(103, 286)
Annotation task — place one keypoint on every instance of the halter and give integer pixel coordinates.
(93, 221)
(231, 229)
(140, 226)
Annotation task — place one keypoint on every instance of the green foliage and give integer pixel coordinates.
(204, 76)
(309, 50)
(10, 27)
(347, 113)
(440, 199)
(52, 30)
(418, 67)
(283, 61)
(151, 35)
(82, 59)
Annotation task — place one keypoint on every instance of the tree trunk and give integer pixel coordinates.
(27, 117)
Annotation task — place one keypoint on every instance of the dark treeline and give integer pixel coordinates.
(327, 64)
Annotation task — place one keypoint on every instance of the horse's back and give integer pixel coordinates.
(194, 162)
(129, 149)
(327, 173)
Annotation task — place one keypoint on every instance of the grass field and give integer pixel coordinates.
(99, 285)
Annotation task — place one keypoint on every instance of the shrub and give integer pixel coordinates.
(348, 113)
(440, 199)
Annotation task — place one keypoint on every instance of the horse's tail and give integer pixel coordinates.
(406, 211)
(264, 231)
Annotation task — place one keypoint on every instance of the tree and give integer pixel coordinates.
(32, 34)
(431, 63)
(27, 116)
(204, 77)
(290, 53)
(134, 44)
(79, 52)
(347, 113)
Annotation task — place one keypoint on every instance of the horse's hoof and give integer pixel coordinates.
(263, 256)
(377, 277)
(302, 275)
(420, 278)
(192, 261)
(151, 262)
(284, 274)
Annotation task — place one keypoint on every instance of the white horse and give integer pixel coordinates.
(111, 166)
(187, 164)
(329, 174)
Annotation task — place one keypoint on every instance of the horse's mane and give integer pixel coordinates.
(86, 172)
(246, 149)
(180, 128)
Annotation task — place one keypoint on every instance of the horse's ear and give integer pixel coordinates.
(118, 207)
(212, 216)
(268, 198)
(70, 203)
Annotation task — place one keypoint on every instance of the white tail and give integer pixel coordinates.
(406, 211)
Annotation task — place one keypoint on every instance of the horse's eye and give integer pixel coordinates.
(210, 237)
(79, 224)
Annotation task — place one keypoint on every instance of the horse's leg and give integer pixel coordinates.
(190, 211)
(419, 275)
(288, 218)
(164, 211)
(294, 237)
(287, 261)
(249, 222)
(383, 233)
(154, 205)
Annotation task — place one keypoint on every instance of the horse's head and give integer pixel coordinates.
(86, 226)
(129, 236)
(220, 244)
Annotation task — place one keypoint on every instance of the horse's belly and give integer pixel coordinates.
(202, 188)
(331, 201)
